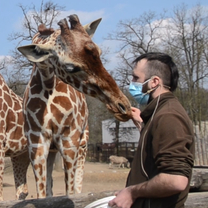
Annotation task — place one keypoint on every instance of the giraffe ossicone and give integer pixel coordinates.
(76, 61)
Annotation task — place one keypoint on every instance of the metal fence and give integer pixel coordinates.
(101, 152)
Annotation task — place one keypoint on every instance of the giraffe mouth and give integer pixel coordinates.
(119, 111)
(121, 108)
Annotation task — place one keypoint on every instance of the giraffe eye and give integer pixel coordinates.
(71, 68)
(76, 69)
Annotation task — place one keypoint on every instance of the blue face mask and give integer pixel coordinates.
(135, 89)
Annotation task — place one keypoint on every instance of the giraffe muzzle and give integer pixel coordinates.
(122, 108)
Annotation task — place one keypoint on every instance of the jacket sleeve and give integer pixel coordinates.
(173, 145)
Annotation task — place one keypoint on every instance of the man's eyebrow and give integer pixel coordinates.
(134, 75)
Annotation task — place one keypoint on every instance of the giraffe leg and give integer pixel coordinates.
(73, 159)
(69, 156)
(2, 156)
(69, 170)
(50, 163)
(20, 165)
(38, 157)
(79, 171)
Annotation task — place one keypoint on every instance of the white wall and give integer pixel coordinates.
(108, 124)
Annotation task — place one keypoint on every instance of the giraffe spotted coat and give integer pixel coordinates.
(56, 117)
(13, 143)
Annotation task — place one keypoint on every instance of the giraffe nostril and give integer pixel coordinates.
(121, 108)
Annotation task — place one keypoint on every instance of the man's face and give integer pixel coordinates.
(139, 74)
(138, 71)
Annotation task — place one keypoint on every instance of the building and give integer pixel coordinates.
(128, 132)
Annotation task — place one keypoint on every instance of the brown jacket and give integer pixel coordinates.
(168, 148)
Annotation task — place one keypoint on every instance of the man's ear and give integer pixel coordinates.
(155, 81)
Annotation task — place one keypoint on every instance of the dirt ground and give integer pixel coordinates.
(98, 177)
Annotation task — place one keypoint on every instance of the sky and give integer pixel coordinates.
(111, 12)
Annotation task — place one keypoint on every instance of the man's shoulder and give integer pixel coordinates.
(172, 107)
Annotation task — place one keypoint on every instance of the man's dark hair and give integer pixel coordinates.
(161, 65)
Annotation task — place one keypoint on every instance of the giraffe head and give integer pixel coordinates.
(75, 59)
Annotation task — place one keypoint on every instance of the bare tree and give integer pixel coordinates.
(184, 36)
(33, 17)
(2, 64)
(47, 14)
(136, 36)
(188, 46)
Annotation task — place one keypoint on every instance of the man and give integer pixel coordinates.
(162, 166)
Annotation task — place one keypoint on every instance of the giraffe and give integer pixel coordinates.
(71, 56)
(56, 116)
(13, 143)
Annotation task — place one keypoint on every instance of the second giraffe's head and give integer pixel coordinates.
(71, 54)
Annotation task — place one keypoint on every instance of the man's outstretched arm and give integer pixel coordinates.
(162, 185)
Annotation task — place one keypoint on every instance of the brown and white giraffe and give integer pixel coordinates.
(75, 59)
(13, 143)
(56, 118)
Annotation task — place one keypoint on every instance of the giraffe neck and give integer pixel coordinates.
(43, 77)
(83, 83)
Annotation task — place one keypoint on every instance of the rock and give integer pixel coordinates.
(199, 180)
(50, 202)
(197, 200)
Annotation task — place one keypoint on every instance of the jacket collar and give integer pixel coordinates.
(147, 112)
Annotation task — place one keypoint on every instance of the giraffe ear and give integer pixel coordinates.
(91, 27)
(35, 53)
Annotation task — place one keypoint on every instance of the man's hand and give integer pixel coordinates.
(123, 199)
(136, 117)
